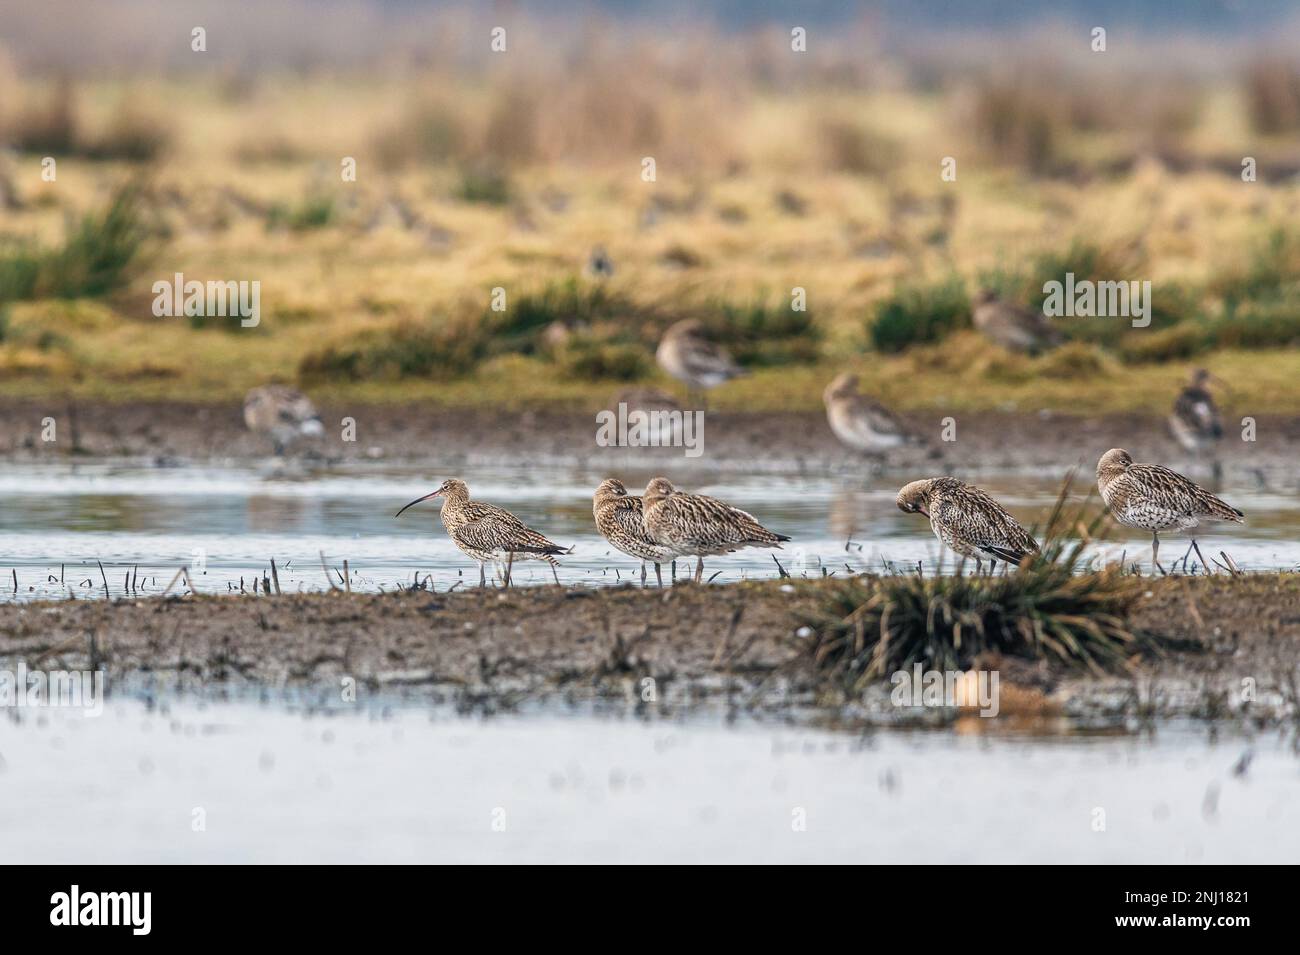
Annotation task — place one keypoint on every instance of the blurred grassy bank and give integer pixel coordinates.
(380, 289)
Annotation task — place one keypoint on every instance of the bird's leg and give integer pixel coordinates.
(510, 566)
(642, 573)
(1155, 551)
(659, 575)
(674, 570)
(482, 575)
(699, 568)
(979, 567)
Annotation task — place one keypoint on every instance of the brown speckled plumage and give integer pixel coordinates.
(486, 532)
(1013, 326)
(699, 526)
(620, 519)
(1195, 422)
(967, 520)
(1154, 498)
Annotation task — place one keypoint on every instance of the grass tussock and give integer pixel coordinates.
(101, 254)
(919, 314)
(1050, 607)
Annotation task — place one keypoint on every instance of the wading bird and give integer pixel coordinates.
(861, 422)
(1153, 498)
(686, 353)
(968, 521)
(1013, 326)
(620, 519)
(699, 526)
(282, 413)
(486, 532)
(1195, 421)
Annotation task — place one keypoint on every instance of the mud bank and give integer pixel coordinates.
(735, 646)
(446, 437)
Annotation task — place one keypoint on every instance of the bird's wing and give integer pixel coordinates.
(974, 516)
(702, 357)
(1171, 490)
(1196, 408)
(880, 419)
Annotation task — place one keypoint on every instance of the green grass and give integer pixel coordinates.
(101, 254)
(917, 314)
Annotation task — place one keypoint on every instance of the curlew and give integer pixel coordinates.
(686, 353)
(1195, 421)
(282, 413)
(860, 422)
(699, 526)
(1013, 326)
(1153, 498)
(486, 532)
(968, 521)
(620, 519)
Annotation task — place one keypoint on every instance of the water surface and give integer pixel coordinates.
(226, 523)
(272, 784)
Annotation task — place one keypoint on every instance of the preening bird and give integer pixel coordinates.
(968, 520)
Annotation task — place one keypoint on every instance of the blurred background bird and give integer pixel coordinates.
(283, 414)
(1195, 421)
(1013, 326)
(686, 353)
(861, 422)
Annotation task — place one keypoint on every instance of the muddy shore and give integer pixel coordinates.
(734, 646)
(444, 438)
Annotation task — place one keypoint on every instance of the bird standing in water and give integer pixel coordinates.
(620, 519)
(1153, 498)
(968, 521)
(486, 532)
(699, 526)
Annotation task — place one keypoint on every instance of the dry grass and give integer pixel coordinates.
(769, 177)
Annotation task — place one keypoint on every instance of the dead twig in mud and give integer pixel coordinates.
(781, 570)
(104, 576)
(347, 577)
(189, 581)
(1232, 564)
(1204, 563)
(168, 588)
(326, 569)
(275, 577)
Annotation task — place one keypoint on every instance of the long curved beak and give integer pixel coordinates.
(418, 500)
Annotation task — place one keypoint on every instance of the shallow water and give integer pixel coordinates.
(226, 523)
(406, 784)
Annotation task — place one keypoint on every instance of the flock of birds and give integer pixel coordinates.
(666, 524)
